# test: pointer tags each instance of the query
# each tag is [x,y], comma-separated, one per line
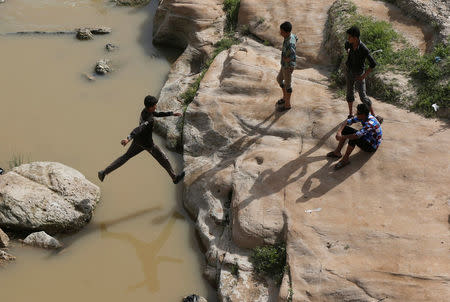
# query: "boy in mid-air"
[142,140]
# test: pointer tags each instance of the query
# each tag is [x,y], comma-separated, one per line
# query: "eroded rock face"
[43,240]
[46,196]
[263,19]
[194,26]
[4,239]
[185,22]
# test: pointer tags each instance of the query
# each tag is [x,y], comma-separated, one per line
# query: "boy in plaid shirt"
[368,138]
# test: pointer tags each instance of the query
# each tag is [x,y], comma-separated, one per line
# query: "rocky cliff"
[379,229]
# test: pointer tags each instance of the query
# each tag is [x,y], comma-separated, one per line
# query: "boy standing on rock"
[142,140]
[356,73]
[288,62]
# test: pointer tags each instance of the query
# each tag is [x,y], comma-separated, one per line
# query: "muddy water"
[139,246]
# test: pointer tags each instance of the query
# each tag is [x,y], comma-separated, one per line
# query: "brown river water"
[140,245]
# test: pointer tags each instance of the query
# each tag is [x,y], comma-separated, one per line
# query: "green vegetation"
[231,8]
[432,79]
[235,269]
[270,260]
[429,77]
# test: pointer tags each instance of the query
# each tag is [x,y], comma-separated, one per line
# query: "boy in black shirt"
[356,73]
[142,140]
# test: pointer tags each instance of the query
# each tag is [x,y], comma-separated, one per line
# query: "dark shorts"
[360,142]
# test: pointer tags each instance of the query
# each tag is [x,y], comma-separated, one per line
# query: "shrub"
[231,8]
[270,260]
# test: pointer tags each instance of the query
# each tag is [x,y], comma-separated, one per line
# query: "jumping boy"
[288,62]
[142,140]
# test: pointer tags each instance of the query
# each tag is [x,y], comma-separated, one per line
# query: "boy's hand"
[177,114]
[124,142]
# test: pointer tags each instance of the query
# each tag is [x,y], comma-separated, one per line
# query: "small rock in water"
[84,34]
[5,256]
[4,239]
[111,47]
[194,298]
[103,67]
[132,2]
[42,239]
[100,30]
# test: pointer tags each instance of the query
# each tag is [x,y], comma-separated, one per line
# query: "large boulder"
[46,196]
[180,23]
[254,174]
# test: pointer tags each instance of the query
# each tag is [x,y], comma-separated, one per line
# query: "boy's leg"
[288,85]
[361,87]
[350,96]
[132,151]
[346,131]
[280,80]
[162,159]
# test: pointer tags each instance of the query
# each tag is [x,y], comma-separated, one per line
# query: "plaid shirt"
[288,51]
[371,130]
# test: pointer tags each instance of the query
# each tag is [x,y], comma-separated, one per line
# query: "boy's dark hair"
[150,101]
[354,31]
[286,26]
[362,109]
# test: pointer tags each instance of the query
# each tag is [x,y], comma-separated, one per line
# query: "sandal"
[282,109]
[332,155]
[280,102]
[380,119]
[341,165]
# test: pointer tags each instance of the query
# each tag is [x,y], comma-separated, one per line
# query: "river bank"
[52,112]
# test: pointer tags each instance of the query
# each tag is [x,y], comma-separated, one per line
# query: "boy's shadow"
[270,182]
[147,252]
[330,178]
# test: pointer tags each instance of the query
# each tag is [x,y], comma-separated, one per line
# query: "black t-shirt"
[143,133]
[357,57]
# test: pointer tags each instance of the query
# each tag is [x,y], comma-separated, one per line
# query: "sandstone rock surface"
[43,240]
[263,19]
[46,196]
[253,173]
[275,167]
[4,239]
[194,26]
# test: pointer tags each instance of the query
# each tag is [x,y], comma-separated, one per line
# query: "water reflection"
[147,252]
